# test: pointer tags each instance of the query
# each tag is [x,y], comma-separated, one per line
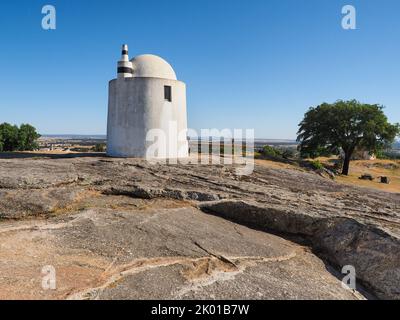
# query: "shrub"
[317,165]
[272,152]
[99,147]
[288,153]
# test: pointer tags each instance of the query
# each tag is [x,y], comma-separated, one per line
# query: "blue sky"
[247,64]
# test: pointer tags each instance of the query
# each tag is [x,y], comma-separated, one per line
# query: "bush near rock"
[367,177]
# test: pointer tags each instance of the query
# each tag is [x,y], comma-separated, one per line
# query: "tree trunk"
[346,164]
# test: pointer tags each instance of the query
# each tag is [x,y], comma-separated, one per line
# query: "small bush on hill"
[317,165]
[272,152]
[99,147]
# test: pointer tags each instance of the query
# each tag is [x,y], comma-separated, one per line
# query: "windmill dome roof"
[152,66]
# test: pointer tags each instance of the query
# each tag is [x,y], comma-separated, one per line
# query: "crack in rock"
[199,272]
[137,191]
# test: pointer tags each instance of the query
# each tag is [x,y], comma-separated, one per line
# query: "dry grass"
[376,168]
[276,164]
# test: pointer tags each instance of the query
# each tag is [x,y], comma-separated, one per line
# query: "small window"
[167,93]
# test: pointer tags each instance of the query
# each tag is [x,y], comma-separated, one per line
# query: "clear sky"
[247,64]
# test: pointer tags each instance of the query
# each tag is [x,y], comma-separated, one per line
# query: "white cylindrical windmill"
[146,95]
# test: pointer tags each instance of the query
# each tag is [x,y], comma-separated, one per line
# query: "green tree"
[13,138]
[9,136]
[27,138]
[345,126]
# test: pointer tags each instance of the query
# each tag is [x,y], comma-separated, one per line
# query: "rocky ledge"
[125,228]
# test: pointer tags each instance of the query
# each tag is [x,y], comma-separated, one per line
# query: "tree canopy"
[14,138]
[345,126]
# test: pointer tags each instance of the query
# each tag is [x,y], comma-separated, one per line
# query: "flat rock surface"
[128,229]
[163,251]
